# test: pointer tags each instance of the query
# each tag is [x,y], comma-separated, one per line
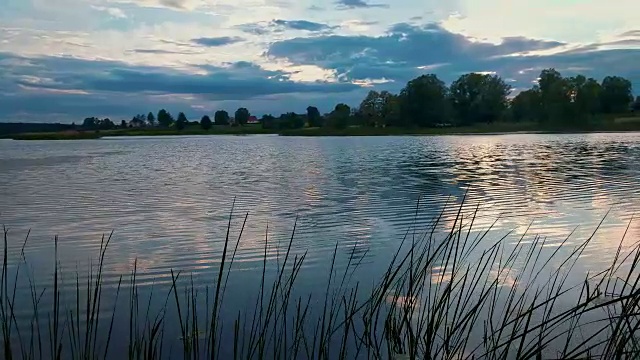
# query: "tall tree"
[616,95]
[221,117]
[242,116]
[268,121]
[291,120]
[339,117]
[151,119]
[555,96]
[479,98]
[182,121]
[391,111]
[205,122]
[371,108]
[378,108]
[139,120]
[585,95]
[90,123]
[424,101]
[527,105]
[314,117]
[164,118]
[123,124]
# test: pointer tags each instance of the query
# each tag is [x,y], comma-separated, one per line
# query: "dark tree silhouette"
[205,122]
[616,95]
[164,118]
[221,117]
[314,117]
[479,98]
[424,101]
[268,121]
[182,121]
[242,116]
[339,117]
[151,119]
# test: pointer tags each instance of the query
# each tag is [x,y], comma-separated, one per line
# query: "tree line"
[427,101]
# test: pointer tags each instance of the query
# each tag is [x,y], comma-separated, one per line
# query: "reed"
[453,295]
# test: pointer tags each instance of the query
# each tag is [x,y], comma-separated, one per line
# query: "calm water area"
[168,201]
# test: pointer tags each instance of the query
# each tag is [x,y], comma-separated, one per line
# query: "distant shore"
[617,125]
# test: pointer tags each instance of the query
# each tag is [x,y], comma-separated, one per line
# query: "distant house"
[253,120]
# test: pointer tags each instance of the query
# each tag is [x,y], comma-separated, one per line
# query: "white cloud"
[114,12]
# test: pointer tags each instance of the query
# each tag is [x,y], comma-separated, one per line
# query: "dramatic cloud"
[67,59]
[217,41]
[407,51]
[241,80]
[75,80]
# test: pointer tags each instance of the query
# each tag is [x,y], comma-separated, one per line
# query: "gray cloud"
[350,4]
[160,51]
[279,25]
[241,80]
[54,86]
[631,33]
[302,25]
[172,4]
[407,51]
[256,28]
[217,41]
[68,89]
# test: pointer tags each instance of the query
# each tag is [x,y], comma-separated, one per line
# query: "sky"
[64,60]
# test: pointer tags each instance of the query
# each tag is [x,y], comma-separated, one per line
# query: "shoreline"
[484,129]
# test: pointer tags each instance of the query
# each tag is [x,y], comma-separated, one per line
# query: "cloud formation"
[76,80]
[350,4]
[301,25]
[407,51]
[217,41]
[280,26]
[64,58]
[114,12]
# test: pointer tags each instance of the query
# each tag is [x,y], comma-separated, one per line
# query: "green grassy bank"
[611,125]
[604,125]
[79,135]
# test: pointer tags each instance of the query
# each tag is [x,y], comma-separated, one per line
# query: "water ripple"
[168,200]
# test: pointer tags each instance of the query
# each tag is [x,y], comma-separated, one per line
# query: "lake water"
[167,200]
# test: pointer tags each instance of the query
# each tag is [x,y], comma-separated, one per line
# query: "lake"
[168,201]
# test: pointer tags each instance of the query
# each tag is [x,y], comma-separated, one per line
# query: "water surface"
[167,200]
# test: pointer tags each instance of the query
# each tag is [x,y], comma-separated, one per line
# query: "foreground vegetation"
[453,296]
